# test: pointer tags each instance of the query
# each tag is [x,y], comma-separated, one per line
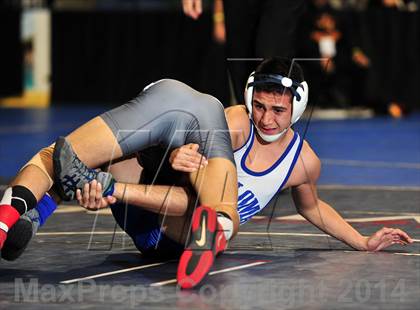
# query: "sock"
[45,207]
[16,201]
[20,198]
[227,225]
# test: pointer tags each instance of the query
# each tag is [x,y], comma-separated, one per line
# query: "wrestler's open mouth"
[268,131]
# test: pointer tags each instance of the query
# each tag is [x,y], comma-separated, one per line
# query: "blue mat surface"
[377,151]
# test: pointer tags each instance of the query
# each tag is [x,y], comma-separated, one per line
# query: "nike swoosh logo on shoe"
[202,240]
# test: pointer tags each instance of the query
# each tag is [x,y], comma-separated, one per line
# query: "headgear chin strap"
[269,138]
[300,93]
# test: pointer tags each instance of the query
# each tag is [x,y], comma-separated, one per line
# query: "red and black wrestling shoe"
[8,217]
[206,241]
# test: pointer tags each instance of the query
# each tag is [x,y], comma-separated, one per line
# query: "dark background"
[107,56]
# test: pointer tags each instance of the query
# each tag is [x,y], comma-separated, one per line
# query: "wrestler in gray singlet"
[171,114]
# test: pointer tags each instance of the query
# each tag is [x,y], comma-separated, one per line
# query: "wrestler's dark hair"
[281,66]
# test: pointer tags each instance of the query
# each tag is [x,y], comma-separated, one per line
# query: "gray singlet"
[170,114]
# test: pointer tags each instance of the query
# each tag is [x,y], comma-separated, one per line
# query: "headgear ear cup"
[249,93]
[299,106]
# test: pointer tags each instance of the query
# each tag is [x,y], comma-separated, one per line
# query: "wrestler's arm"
[173,200]
[323,216]
[162,199]
[170,200]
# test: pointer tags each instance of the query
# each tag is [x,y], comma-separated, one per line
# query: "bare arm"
[170,200]
[315,210]
[325,217]
[162,199]
[328,220]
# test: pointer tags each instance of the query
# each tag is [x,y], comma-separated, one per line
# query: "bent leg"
[127,170]
[217,187]
[96,144]
[93,142]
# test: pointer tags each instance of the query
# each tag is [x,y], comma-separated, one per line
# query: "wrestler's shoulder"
[237,116]
[238,123]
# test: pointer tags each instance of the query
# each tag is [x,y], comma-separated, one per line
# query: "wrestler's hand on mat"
[91,197]
[192,8]
[386,237]
[187,158]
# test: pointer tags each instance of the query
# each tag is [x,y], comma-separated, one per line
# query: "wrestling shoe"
[70,173]
[20,234]
[206,241]
[26,227]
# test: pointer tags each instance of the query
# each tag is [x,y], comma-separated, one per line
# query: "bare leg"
[217,187]
[94,143]
[35,179]
[126,171]
[177,228]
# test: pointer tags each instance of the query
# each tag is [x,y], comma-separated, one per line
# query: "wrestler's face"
[272,112]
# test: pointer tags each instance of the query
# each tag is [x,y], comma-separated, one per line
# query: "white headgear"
[300,93]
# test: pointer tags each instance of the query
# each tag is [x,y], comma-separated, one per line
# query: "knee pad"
[43,160]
